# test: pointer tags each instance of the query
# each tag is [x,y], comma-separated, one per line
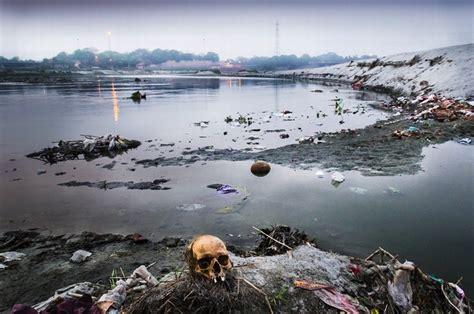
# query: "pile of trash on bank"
[443,109]
[435,107]
[299,279]
[90,148]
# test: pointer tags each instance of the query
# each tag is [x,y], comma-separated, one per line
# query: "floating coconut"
[260,168]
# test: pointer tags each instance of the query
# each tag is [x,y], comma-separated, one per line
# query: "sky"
[37,29]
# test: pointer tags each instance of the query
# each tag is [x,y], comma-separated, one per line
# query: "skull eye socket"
[223,260]
[204,262]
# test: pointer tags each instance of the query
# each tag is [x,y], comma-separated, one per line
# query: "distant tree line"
[289,62]
[90,58]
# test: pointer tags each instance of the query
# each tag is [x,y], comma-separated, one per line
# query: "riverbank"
[282,279]
[445,71]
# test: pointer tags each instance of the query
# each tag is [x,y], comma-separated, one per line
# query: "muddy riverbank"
[258,283]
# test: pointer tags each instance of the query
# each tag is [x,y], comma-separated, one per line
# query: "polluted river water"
[425,217]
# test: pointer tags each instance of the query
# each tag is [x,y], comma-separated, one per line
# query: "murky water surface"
[427,217]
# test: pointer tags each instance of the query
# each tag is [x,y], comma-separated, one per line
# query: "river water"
[426,217]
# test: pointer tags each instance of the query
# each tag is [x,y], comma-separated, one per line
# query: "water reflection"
[276,96]
[99,89]
[115,103]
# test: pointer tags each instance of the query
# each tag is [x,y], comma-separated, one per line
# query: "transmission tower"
[277,39]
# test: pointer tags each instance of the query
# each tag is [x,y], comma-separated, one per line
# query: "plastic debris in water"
[465,141]
[393,190]
[320,174]
[338,177]
[190,207]
[227,189]
[360,191]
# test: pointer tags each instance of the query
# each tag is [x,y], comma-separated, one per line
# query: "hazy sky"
[41,28]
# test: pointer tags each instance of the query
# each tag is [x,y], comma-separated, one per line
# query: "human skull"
[207,256]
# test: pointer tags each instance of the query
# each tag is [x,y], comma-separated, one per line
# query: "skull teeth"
[215,280]
[222,278]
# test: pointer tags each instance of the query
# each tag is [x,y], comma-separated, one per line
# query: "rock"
[40,172]
[137,238]
[171,242]
[283,136]
[80,256]
[320,174]
[260,168]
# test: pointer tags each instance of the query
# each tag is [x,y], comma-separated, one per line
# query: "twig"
[192,291]
[387,253]
[272,238]
[261,292]
[372,254]
[446,296]
[241,265]
[151,265]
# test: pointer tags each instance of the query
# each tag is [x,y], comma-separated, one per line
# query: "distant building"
[140,65]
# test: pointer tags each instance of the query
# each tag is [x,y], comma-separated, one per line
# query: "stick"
[373,254]
[260,291]
[387,253]
[272,238]
[444,293]
[192,291]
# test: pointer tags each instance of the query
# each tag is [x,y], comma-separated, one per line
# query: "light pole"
[109,35]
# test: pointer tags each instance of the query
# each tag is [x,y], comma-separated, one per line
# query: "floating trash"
[360,191]
[190,207]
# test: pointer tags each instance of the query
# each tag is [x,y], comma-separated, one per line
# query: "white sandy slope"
[453,76]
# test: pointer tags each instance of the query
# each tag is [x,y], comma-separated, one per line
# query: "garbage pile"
[79,298]
[90,148]
[408,132]
[442,109]
[387,285]
[296,277]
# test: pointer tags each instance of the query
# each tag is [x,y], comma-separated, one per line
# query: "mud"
[47,268]
[372,150]
[104,185]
